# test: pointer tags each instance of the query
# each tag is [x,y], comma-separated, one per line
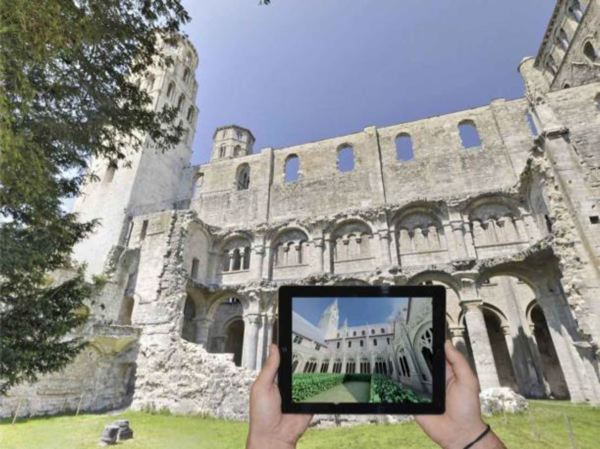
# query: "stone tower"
[152,181]
[330,320]
[231,141]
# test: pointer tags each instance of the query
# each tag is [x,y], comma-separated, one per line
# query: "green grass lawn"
[544,427]
[346,392]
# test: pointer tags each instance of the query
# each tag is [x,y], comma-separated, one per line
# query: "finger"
[459,364]
[269,370]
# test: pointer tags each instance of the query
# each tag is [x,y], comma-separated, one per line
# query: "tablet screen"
[370,350]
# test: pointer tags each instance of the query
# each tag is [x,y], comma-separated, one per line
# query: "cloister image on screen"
[362,350]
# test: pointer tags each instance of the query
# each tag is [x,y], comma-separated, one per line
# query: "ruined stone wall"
[378,177]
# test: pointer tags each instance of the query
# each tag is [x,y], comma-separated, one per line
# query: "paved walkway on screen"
[346,392]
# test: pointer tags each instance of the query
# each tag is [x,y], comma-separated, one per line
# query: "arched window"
[469,134]
[566,86]
[531,123]
[243,177]
[186,75]
[190,114]
[291,168]
[222,151]
[180,102]
[246,258]
[150,82]
[562,39]
[575,10]
[237,260]
[195,267]
[237,150]
[294,365]
[197,187]
[345,158]
[170,89]
[590,52]
[404,148]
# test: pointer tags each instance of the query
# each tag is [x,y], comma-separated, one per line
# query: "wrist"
[464,436]
[267,443]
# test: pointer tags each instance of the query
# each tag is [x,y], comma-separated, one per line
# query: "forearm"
[490,441]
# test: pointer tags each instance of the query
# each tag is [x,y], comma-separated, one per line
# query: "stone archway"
[228,310]
[550,364]
[234,340]
[188,331]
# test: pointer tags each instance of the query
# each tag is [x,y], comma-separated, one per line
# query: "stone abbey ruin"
[500,204]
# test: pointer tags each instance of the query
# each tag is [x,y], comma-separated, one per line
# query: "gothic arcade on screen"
[386,361]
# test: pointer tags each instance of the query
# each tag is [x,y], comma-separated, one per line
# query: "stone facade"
[500,204]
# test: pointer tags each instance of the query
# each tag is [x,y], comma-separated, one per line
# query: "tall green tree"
[67,94]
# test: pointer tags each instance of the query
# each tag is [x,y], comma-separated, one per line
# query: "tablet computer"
[362,349]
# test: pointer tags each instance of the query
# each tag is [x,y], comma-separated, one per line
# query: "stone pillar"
[251,324]
[319,253]
[480,345]
[258,252]
[267,272]
[537,359]
[570,362]
[522,230]
[270,322]
[202,326]
[328,256]
[458,236]
[261,345]
[384,244]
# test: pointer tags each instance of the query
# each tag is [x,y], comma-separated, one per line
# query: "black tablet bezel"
[436,406]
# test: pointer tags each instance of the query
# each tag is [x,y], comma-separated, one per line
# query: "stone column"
[258,252]
[327,256]
[319,253]
[251,324]
[537,359]
[202,326]
[458,236]
[384,244]
[570,362]
[270,322]
[480,345]
[261,345]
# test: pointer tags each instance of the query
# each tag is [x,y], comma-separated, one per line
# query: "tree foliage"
[68,92]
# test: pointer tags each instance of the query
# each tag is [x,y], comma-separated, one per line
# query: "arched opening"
[351,241]
[575,10]
[222,151]
[186,75]
[190,114]
[345,158]
[291,168]
[469,135]
[428,357]
[233,340]
[295,365]
[188,331]
[562,39]
[550,363]
[404,147]
[237,150]
[502,358]
[226,333]
[590,52]
[289,248]
[180,102]
[236,255]
[195,268]
[197,187]
[243,177]
[171,90]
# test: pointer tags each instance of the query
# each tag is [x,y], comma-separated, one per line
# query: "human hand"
[269,428]
[461,423]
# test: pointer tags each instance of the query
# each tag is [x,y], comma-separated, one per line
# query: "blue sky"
[298,71]
[358,311]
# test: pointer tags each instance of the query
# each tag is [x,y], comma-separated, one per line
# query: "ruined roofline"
[349,134]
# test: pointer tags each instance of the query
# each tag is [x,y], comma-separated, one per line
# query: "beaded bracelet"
[484,433]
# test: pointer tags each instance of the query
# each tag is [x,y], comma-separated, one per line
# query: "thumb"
[269,369]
